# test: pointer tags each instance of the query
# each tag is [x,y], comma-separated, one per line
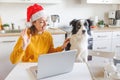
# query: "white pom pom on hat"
[34,12]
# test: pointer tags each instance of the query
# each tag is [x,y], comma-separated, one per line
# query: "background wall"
[68,10]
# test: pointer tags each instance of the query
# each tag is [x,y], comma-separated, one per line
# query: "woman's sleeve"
[17,52]
[52,49]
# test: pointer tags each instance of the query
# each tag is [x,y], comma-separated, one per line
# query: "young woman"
[35,40]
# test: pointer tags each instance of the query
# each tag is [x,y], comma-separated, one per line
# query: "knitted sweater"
[39,44]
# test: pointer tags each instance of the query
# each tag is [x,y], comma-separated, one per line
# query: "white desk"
[21,72]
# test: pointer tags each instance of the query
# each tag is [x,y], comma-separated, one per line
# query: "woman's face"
[40,24]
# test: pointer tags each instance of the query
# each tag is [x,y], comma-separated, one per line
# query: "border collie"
[79,38]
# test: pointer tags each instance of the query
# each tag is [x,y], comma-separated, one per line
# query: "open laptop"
[54,64]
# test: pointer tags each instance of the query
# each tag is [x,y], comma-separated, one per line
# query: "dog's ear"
[73,22]
[89,22]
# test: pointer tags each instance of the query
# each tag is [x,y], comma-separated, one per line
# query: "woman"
[34,41]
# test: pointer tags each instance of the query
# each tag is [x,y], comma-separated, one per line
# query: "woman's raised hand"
[26,38]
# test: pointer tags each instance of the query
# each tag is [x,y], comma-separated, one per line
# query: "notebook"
[54,64]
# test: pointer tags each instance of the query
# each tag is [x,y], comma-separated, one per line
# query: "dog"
[79,38]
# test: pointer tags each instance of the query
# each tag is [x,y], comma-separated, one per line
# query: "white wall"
[68,10]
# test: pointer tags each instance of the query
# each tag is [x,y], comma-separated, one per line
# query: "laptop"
[54,64]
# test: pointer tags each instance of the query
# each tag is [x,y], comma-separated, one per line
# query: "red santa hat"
[34,12]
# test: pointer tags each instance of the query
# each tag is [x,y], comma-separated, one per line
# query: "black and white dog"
[79,38]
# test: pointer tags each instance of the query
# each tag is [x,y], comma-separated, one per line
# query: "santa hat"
[34,12]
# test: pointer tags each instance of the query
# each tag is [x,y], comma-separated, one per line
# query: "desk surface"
[21,72]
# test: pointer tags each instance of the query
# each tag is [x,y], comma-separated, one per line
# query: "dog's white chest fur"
[79,38]
[79,41]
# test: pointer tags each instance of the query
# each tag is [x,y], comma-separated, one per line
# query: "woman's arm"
[20,47]
[17,52]
[59,48]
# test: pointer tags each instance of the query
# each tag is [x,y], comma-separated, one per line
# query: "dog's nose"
[83,31]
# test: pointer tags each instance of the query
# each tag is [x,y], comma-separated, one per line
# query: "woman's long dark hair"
[33,30]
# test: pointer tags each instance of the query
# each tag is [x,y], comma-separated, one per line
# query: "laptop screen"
[55,63]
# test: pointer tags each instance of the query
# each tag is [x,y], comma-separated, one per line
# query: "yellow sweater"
[39,44]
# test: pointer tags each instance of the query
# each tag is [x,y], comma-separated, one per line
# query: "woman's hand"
[26,38]
[65,43]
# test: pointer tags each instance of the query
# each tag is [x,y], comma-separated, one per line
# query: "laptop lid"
[55,63]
